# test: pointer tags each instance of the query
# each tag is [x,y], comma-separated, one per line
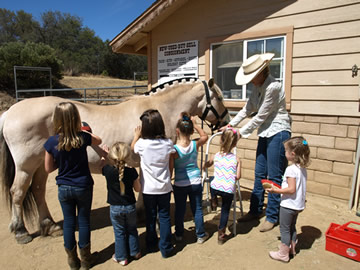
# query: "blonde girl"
[226,171]
[66,151]
[121,180]
[293,193]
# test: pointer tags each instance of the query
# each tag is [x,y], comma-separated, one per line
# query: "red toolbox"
[344,240]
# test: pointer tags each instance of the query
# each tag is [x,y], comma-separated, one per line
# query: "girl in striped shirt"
[226,171]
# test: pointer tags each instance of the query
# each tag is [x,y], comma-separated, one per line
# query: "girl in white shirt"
[154,148]
[293,191]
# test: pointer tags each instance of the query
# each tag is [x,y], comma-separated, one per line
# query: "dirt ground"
[247,250]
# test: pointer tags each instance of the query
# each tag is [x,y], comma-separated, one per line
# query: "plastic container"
[344,240]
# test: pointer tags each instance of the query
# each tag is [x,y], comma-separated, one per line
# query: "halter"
[210,107]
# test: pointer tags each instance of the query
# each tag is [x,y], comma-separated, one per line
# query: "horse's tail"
[7,176]
[7,165]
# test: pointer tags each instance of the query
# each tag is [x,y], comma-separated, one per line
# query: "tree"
[123,65]
[79,49]
[18,26]
[28,54]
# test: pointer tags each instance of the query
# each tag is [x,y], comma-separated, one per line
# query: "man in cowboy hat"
[267,100]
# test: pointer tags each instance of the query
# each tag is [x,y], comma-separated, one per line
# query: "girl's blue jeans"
[270,164]
[195,196]
[154,204]
[226,201]
[74,199]
[123,219]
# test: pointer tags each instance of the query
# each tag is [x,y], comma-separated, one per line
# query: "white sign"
[177,60]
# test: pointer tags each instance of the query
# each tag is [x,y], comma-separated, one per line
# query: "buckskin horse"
[25,127]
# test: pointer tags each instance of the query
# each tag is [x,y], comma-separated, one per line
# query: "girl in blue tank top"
[188,177]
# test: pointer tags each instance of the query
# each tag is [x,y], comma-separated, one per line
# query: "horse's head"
[212,107]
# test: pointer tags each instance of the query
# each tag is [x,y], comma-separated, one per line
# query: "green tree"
[18,26]
[123,65]
[79,49]
[28,54]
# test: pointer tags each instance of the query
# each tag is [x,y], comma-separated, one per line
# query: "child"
[226,171]
[120,183]
[66,150]
[154,149]
[188,177]
[293,189]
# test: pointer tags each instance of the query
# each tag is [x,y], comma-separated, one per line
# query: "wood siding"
[323,44]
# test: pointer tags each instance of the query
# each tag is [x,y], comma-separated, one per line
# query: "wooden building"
[316,44]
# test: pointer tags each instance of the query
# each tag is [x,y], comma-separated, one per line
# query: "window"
[227,57]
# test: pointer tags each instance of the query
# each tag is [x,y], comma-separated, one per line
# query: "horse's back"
[29,115]
[27,125]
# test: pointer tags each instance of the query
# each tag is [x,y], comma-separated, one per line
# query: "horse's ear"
[211,82]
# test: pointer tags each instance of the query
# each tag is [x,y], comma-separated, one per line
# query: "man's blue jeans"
[74,199]
[123,219]
[155,204]
[270,164]
[195,196]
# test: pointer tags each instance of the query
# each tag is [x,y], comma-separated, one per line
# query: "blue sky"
[106,17]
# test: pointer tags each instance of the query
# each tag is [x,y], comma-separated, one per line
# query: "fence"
[92,94]
[86,95]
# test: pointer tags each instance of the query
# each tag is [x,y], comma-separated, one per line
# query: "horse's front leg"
[18,192]
[38,188]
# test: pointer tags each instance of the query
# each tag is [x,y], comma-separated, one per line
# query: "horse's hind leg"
[18,192]
[38,188]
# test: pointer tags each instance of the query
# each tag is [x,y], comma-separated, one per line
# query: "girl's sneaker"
[201,240]
[123,262]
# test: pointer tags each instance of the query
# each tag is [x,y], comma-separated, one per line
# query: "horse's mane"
[171,83]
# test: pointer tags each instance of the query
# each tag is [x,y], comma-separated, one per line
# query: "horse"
[26,125]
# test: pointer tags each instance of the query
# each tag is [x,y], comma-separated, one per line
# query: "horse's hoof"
[23,238]
[49,227]
[55,231]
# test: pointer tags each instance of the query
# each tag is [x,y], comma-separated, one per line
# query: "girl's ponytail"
[118,154]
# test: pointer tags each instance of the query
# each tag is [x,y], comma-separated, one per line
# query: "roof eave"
[133,39]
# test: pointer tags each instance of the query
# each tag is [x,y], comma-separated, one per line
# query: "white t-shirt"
[154,165]
[294,201]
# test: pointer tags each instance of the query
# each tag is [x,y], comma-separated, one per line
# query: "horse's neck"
[185,96]
[172,102]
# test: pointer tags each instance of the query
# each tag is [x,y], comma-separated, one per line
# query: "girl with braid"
[121,180]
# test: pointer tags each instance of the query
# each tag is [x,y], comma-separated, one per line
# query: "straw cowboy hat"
[252,67]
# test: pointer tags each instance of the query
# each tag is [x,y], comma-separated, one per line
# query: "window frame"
[287,32]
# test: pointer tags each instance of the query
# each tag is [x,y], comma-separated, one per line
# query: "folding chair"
[206,180]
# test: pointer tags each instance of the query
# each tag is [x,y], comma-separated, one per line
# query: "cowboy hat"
[252,67]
